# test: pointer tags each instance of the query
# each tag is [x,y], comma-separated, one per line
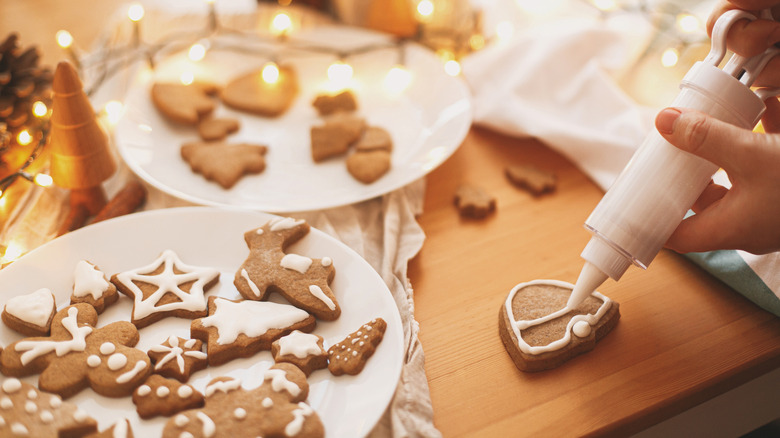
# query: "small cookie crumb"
[531,179]
[474,202]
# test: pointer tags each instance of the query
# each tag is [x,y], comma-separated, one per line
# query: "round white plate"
[349,406]
[427,121]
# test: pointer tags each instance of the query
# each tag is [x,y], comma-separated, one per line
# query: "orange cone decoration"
[395,17]
[80,157]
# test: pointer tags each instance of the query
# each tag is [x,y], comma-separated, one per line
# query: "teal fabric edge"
[730,268]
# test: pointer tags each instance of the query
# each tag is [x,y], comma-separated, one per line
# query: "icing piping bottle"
[660,183]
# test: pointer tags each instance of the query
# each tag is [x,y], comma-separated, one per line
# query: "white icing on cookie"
[184,391]
[80,416]
[47,417]
[189,343]
[285,223]
[19,429]
[55,402]
[11,385]
[128,376]
[6,403]
[267,402]
[168,282]
[317,292]
[581,329]
[299,344]
[32,394]
[181,420]
[144,390]
[239,413]
[517,326]
[36,348]
[280,383]
[222,386]
[88,280]
[120,429]
[251,318]
[296,262]
[30,407]
[209,428]
[107,348]
[162,391]
[326,261]
[252,285]
[34,308]
[299,415]
[116,361]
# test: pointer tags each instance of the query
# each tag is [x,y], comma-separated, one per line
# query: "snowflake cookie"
[178,358]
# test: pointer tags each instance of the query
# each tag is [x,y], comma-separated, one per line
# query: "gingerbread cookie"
[535,181]
[185,104]
[330,141]
[161,396]
[474,202]
[25,411]
[217,129]
[236,329]
[166,287]
[369,166]
[178,358]
[77,355]
[301,280]
[303,350]
[120,429]
[276,408]
[350,355]
[91,286]
[348,122]
[251,93]
[539,332]
[375,138]
[224,163]
[326,104]
[30,314]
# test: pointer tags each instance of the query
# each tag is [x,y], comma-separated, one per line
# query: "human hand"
[746,216]
[751,38]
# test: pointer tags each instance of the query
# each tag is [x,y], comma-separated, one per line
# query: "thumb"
[721,143]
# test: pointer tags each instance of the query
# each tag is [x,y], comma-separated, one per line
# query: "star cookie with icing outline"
[166,287]
[276,408]
[301,280]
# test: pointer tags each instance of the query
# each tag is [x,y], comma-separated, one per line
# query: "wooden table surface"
[683,337]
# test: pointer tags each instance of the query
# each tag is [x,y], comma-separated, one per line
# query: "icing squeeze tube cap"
[590,278]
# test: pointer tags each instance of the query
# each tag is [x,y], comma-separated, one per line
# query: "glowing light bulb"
[135,12]
[43,180]
[425,8]
[477,41]
[114,111]
[39,109]
[281,24]
[187,77]
[605,5]
[670,57]
[452,67]
[688,23]
[12,252]
[197,52]
[24,138]
[504,30]
[64,39]
[270,73]
[397,79]
[340,73]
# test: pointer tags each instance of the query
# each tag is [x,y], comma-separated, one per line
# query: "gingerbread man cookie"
[77,355]
[303,350]
[350,355]
[301,280]
[30,314]
[276,408]
[25,411]
[161,396]
[178,358]
[166,287]
[224,163]
[236,329]
[91,286]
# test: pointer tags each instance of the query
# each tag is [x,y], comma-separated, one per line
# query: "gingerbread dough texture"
[251,93]
[224,163]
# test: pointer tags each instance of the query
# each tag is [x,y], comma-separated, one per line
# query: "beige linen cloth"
[382,230]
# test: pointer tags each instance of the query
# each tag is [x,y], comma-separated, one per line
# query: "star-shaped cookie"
[166,287]
[178,358]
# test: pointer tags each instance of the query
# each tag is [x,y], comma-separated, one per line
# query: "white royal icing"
[163,391]
[107,348]
[285,223]
[11,385]
[222,386]
[168,282]
[88,280]
[326,261]
[19,429]
[317,292]
[239,413]
[120,429]
[299,344]
[267,402]
[209,428]
[128,376]
[36,348]
[581,329]
[296,262]
[252,285]
[251,318]
[517,326]
[6,403]
[144,390]
[279,382]
[32,395]
[55,402]
[175,352]
[30,407]
[35,308]
[181,420]
[299,416]
[184,391]
[116,361]
[47,417]
[80,415]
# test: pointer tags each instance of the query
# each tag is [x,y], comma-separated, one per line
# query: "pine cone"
[22,83]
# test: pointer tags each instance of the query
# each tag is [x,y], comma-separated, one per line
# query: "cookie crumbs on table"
[532,179]
[30,314]
[473,201]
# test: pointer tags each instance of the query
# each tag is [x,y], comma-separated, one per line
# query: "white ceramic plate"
[428,122]
[349,406]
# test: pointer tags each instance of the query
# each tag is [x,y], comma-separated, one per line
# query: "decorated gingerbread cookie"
[253,94]
[166,287]
[185,104]
[161,396]
[539,332]
[350,355]
[30,314]
[236,329]
[78,355]
[120,429]
[276,408]
[303,350]
[91,286]
[302,280]
[224,163]
[178,358]
[25,411]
